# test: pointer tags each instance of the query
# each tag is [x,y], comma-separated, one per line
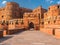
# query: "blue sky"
[31,3]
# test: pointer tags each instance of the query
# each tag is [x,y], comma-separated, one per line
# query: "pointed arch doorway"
[31,25]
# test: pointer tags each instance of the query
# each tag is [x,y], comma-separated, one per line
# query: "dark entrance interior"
[53,31]
[31,25]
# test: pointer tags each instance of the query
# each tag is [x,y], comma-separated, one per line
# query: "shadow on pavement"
[5,38]
[11,35]
[20,31]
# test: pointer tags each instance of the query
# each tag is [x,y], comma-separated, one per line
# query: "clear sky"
[31,3]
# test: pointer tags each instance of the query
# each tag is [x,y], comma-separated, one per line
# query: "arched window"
[3,22]
[6,22]
[34,15]
[12,23]
[48,22]
[39,16]
[49,8]
[53,31]
[58,6]
[42,22]
[2,16]
[54,21]
[22,22]
[16,22]
[28,15]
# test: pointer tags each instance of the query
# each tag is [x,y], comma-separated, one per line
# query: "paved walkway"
[29,38]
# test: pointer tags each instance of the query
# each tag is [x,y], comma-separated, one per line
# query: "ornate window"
[3,22]
[6,22]
[16,22]
[11,22]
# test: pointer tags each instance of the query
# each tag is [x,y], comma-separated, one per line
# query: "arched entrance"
[31,25]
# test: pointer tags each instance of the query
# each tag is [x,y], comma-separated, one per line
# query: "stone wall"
[36,17]
[52,20]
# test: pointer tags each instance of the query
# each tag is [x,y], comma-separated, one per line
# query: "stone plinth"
[57,33]
[47,30]
[1,33]
[13,31]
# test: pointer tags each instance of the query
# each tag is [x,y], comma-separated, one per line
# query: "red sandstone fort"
[13,17]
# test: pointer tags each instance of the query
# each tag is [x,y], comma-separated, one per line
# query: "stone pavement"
[29,38]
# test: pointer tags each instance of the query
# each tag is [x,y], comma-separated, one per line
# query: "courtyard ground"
[29,38]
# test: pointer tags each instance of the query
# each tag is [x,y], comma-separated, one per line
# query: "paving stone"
[31,38]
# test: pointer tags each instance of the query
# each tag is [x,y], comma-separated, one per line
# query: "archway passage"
[31,25]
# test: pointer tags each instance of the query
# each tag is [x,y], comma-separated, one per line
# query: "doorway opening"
[31,25]
[53,31]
